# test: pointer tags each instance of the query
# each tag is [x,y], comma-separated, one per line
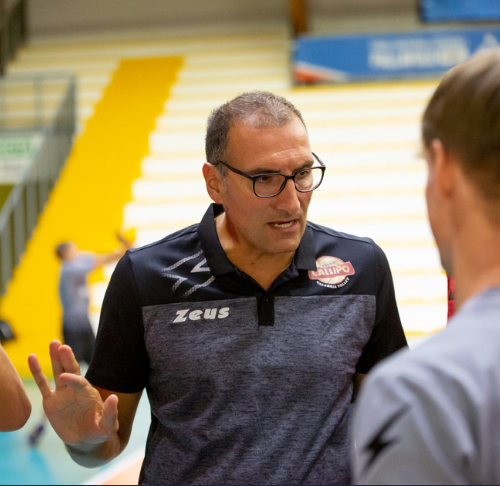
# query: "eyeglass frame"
[287,177]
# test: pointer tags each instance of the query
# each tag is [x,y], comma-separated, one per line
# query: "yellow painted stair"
[86,206]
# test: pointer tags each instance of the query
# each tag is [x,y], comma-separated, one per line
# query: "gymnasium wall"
[325,16]
[63,16]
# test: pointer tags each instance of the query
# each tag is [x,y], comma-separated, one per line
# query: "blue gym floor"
[48,462]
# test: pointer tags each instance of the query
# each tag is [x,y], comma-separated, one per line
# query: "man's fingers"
[110,415]
[56,362]
[40,378]
[76,382]
[124,241]
[68,361]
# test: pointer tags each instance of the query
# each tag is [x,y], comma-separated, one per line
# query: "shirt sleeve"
[408,431]
[120,361]
[80,267]
[388,335]
[87,262]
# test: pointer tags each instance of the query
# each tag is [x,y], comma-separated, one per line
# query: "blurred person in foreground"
[74,297]
[15,407]
[432,415]
[250,331]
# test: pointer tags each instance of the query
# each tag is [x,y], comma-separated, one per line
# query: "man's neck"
[476,260]
[264,268]
[469,282]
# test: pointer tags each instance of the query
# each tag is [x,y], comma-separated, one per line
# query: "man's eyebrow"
[262,170]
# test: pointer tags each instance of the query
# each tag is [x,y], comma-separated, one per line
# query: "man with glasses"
[250,331]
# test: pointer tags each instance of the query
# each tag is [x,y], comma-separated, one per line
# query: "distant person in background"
[74,297]
[74,294]
[432,415]
[15,407]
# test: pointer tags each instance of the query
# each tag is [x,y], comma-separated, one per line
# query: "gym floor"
[49,463]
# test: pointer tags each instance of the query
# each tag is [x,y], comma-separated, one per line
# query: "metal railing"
[13,31]
[20,212]
[29,102]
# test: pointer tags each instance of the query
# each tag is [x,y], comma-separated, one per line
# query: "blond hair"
[464,114]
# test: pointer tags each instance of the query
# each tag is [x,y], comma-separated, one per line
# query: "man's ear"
[214,182]
[445,167]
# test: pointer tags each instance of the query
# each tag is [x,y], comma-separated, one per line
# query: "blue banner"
[459,10]
[375,56]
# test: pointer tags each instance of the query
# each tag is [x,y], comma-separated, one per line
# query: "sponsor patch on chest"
[184,315]
[331,272]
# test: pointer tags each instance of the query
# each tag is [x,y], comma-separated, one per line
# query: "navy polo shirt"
[246,385]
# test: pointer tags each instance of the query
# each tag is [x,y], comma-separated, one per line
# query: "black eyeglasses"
[270,185]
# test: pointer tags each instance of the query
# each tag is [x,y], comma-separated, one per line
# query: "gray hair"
[258,108]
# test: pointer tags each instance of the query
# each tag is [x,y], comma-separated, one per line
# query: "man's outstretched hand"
[127,244]
[74,408]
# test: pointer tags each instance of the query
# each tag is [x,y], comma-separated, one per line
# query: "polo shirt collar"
[217,260]
[305,256]
[216,257]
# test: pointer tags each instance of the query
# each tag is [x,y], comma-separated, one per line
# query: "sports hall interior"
[144,75]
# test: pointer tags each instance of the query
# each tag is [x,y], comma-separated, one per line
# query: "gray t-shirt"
[73,289]
[432,415]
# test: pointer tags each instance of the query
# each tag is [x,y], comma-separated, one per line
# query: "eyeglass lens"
[271,184]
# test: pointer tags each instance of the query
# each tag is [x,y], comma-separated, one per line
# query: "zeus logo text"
[196,315]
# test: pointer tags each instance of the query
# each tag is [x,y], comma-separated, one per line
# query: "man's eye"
[264,179]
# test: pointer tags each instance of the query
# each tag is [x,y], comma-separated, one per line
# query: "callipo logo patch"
[331,272]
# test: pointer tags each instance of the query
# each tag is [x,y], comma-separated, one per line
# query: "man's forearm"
[16,408]
[95,455]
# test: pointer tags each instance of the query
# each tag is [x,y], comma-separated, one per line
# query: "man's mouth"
[284,224]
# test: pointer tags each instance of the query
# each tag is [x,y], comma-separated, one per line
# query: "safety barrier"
[52,143]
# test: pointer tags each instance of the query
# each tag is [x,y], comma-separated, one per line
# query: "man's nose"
[288,198]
